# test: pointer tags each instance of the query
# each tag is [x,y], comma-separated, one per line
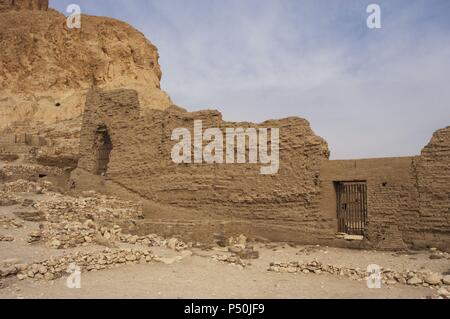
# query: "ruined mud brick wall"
[407,198]
[9,144]
[21,143]
[433,181]
[140,162]
[391,195]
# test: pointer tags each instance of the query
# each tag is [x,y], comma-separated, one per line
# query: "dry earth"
[199,276]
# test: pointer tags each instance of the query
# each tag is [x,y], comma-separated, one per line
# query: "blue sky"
[369,93]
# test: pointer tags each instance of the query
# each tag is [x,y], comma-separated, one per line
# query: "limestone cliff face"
[23,4]
[46,68]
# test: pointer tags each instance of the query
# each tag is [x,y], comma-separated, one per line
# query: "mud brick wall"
[140,162]
[391,195]
[433,179]
[407,198]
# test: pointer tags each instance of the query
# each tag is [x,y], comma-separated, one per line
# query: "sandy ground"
[200,276]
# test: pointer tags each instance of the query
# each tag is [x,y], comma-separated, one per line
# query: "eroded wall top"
[141,162]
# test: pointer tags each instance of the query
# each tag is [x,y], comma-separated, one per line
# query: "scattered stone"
[23,186]
[42,270]
[446,279]
[239,240]
[73,222]
[21,276]
[34,236]
[172,243]
[53,268]
[49,276]
[414,281]
[55,244]
[233,259]
[391,282]
[389,276]
[130,257]
[433,279]
[443,292]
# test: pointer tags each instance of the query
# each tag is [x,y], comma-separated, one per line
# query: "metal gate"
[352,207]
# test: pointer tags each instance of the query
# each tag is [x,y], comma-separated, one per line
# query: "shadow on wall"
[104,147]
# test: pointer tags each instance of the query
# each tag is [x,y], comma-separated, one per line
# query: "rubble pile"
[172,243]
[6,223]
[23,186]
[29,170]
[390,277]
[239,250]
[149,240]
[231,259]
[74,234]
[99,208]
[236,241]
[34,236]
[7,199]
[72,222]
[238,246]
[56,267]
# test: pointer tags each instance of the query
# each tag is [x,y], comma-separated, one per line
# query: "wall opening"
[352,207]
[103,149]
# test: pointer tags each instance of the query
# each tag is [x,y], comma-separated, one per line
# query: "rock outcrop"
[23,5]
[47,68]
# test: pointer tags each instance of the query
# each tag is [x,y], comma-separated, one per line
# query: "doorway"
[104,146]
[352,207]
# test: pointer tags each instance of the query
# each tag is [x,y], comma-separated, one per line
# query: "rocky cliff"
[46,68]
[6,5]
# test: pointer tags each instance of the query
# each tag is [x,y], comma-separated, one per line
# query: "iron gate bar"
[352,207]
